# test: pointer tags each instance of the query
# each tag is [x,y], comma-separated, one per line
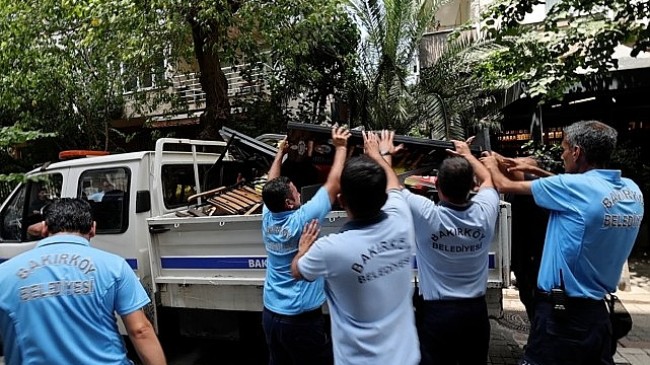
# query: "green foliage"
[12,169]
[465,101]
[628,158]
[16,178]
[311,47]
[66,64]
[548,156]
[381,92]
[447,101]
[11,136]
[576,39]
[261,116]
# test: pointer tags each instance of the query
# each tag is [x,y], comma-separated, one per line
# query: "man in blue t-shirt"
[368,265]
[453,240]
[595,216]
[292,318]
[59,300]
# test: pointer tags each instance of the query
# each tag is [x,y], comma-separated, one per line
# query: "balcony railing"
[190,91]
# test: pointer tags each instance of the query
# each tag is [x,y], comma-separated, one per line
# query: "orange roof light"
[71,154]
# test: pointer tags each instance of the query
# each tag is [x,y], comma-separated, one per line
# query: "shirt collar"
[453,206]
[613,175]
[64,238]
[280,215]
[360,223]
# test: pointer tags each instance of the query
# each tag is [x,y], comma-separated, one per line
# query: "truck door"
[23,208]
[107,190]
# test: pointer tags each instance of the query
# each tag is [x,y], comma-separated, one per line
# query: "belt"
[548,297]
[457,300]
[312,314]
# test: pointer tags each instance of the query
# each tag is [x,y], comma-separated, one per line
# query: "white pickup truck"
[204,273]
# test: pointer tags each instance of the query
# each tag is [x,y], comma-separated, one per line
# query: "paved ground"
[509,333]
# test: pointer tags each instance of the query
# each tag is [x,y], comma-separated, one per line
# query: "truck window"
[178,180]
[25,206]
[107,191]
[178,183]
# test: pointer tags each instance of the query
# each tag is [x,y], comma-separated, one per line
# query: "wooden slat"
[251,190]
[254,195]
[240,199]
[231,204]
[243,197]
[253,209]
[205,193]
[223,206]
[234,200]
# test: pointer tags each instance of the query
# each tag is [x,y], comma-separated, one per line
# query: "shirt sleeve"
[395,202]
[420,206]
[552,192]
[488,198]
[312,264]
[130,295]
[316,208]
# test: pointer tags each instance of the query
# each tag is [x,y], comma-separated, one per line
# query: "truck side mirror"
[142,201]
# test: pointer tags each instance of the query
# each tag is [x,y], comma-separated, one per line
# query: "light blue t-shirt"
[281,233]
[594,220]
[368,272]
[453,244]
[96,196]
[58,303]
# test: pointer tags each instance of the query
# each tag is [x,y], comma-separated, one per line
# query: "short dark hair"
[597,140]
[68,215]
[275,193]
[363,186]
[455,178]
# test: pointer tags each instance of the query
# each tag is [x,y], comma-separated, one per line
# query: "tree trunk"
[213,82]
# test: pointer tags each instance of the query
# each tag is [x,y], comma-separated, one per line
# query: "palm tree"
[447,100]
[382,93]
[461,100]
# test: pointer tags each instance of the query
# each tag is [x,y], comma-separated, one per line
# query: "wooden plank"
[254,208]
[254,195]
[223,206]
[229,200]
[235,199]
[243,198]
[251,190]
[205,193]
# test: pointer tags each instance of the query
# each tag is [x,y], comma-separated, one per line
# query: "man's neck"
[66,233]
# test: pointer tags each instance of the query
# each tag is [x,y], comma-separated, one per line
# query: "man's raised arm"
[381,150]
[480,170]
[340,137]
[274,171]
